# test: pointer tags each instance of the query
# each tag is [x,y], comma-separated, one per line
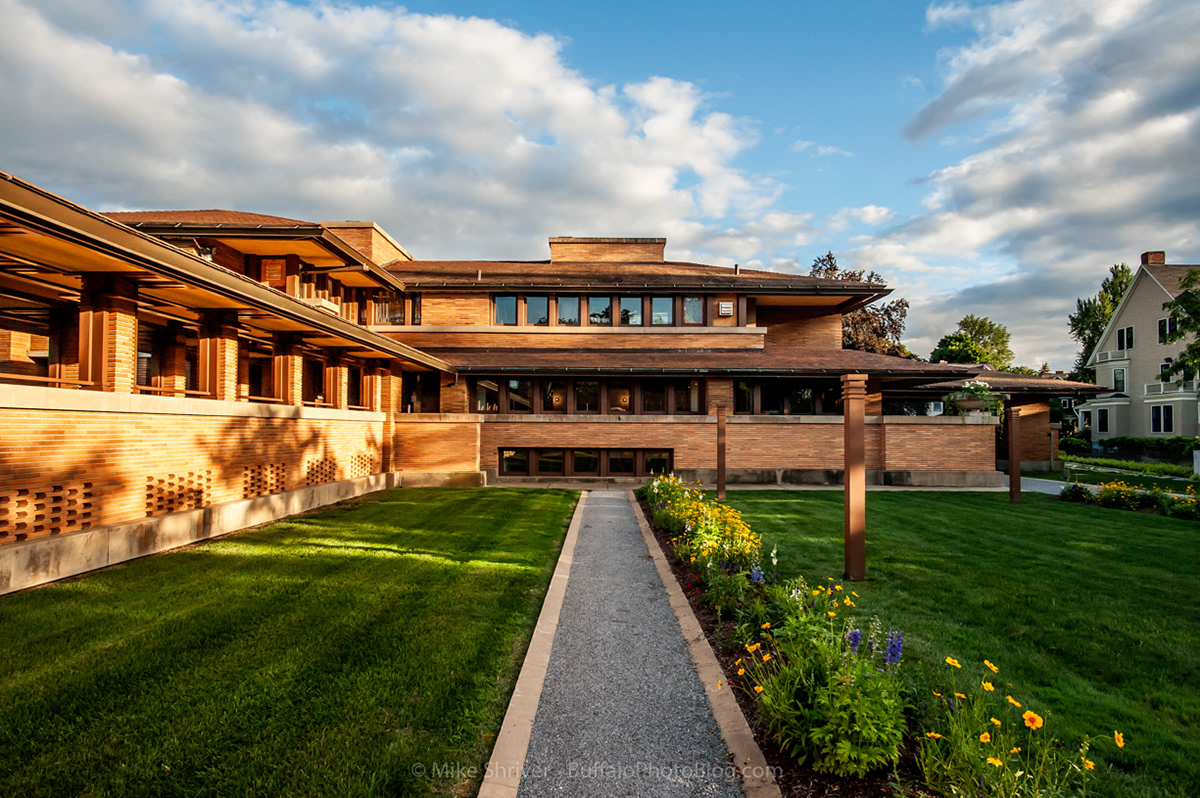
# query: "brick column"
[1013,420]
[338,378]
[718,392]
[391,402]
[454,398]
[721,452]
[219,355]
[289,373]
[854,394]
[14,354]
[108,333]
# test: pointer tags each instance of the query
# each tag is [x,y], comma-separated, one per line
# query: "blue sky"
[985,157]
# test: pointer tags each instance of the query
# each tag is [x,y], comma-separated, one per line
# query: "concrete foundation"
[444,479]
[31,563]
[816,476]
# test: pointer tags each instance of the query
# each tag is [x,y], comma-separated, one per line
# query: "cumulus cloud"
[1087,117]
[462,136]
[871,215]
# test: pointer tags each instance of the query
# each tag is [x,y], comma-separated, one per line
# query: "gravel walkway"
[622,711]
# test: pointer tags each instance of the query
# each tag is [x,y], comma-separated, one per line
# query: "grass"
[1150,469]
[1092,615]
[330,654]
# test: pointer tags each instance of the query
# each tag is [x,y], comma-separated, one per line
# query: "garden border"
[758,778]
[502,776]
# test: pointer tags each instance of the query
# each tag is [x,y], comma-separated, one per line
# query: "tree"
[875,329]
[957,347]
[1185,312]
[1091,316]
[978,339]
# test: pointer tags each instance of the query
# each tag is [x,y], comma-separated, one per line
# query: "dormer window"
[1125,338]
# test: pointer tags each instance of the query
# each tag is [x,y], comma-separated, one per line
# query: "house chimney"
[737,268]
[1151,258]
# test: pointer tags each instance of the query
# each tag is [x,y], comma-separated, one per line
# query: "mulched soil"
[793,779]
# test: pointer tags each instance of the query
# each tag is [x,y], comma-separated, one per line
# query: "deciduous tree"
[877,328]
[1091,316]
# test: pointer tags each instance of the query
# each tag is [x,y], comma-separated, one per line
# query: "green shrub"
[827,695]
[1178,449]
[1154,469]
[1074,445]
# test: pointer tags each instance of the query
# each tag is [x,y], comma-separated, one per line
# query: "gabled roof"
[1166,277]
[204,218]
[1169,277]
[1007,382]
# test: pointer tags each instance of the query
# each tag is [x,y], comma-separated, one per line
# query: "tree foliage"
[978,339]
[1092,315]
[878,328]
[1185,311]
[957,347]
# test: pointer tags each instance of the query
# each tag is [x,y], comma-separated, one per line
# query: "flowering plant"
[976,388]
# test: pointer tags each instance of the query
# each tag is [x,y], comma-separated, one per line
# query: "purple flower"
[854,638]
[895,647]
[756,575]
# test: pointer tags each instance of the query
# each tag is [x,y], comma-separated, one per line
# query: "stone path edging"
[758,779]
[502,777]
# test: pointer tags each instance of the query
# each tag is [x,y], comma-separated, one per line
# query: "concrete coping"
[562,418]
[487,329]
[24,397]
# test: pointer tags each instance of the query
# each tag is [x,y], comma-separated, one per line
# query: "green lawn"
[1093,615]
[325,655]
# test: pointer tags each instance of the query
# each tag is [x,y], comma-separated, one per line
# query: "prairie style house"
[169,376]
[1131,357]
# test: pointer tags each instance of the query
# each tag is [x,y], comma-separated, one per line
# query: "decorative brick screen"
[35,512]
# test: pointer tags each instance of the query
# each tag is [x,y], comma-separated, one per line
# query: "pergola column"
[1013,421]
[289,373]
[854,394]
[339,383]
[108,333]
[391,401]
[219,356]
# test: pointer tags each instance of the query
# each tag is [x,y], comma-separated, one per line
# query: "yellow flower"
[933,735]
[817,592]
[1120,738]
[1089,764]
[853,594]
[766,625]
[991,688]
[994,761]
[741,671]
[1033,720]
[997,723]
[718,684]
[1016,750]
[752,648]
[758,688]
[831,613]
[991,667]
[849,603]
[960,695]
[986,737]
[1013,701]
[738,661]
[837,587]
[766,657]
[952,662]
[936,693]
[835,603]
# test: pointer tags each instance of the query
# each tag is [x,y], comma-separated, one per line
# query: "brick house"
[1132,354]
[170,376]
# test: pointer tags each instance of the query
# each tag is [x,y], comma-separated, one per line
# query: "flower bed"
[1118,495]
[830,695]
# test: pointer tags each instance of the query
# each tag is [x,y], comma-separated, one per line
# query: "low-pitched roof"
[616,275]
[204,218]
[1007,382]
[779,361]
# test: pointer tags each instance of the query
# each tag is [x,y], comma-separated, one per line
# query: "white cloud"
[1089,114]
[817,149]
[872,215]
[462,136]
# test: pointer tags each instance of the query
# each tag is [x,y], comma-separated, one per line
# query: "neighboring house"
[1132,354]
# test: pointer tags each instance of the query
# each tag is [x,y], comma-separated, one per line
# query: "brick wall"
[1034,433]
[719,391]
[802,328]
[608,251]
[940,447]
[14,353]
[454,309]
[136,464]
[433,445]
